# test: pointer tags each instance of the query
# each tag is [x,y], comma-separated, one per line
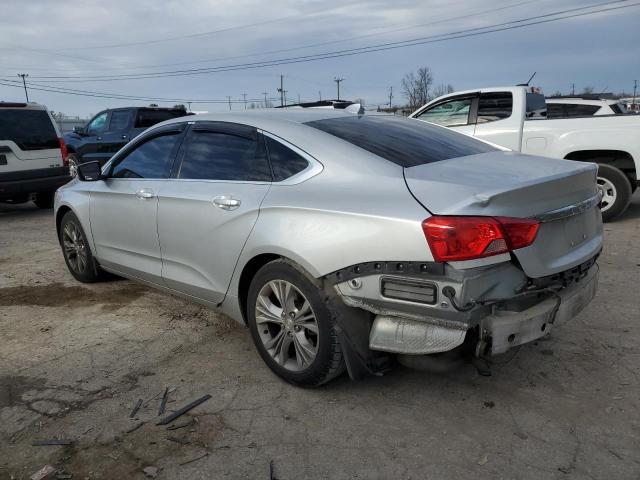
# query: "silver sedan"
[342,240]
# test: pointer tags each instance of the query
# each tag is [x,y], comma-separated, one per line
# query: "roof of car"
[27,106]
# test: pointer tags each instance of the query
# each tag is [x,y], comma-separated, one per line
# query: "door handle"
[124,137]
[226,202]
[145,193]
[98,138]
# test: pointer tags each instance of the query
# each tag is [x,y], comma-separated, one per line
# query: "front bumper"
[435,328]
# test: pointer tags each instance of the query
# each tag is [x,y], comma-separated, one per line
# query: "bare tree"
[587,90]
[417,87]
[442,89]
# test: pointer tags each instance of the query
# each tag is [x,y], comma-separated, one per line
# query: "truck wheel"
[615,189]
[43,199]
[76,251]
[292,326]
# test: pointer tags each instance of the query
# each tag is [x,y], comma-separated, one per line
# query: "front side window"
[151,159]
[284,161]
[453,113]
[402,141]
[494,106]
[98,124]
[210,155]
[119,120]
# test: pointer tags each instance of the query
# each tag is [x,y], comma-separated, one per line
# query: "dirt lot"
[74,360]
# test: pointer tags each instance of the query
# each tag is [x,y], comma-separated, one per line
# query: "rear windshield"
[402,141]
[29,129]
[148,118]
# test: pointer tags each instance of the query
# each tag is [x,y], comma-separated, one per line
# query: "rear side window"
[152,159]
[402,141]
[222,156]
[618,108]
[494,106]
[536,106]
[578,110]
[284,161]
[147,118]
[28,129]
[119,120]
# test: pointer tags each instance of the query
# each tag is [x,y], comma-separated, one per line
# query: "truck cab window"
[98,124]
[494,106]
[449,114]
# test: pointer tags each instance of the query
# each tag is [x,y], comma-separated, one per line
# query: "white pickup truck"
[515,118]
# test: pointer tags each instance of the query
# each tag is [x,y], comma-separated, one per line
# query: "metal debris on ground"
[44,473]
[194,459]
[151,472]
[272,474]
[163,402]
[53,441]
[183,410]
[136,408]
[135,427]
[181,441]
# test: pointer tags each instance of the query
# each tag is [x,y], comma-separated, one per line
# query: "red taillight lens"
[466,238]
[63,152]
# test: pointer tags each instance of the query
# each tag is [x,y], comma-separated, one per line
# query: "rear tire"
[297,338]
[76,251]
[616,191]
[43,200]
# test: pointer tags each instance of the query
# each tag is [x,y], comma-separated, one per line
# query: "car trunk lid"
[563,194]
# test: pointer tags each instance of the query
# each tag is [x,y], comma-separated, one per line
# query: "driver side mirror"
[90,171]
[80,130]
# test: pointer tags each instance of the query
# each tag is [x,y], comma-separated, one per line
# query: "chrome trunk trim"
[569,210]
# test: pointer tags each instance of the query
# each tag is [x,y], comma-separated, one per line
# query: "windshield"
[402,141]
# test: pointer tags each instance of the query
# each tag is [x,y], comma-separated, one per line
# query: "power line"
[472,32]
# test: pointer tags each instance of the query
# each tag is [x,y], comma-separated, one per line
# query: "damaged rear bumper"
[404,327]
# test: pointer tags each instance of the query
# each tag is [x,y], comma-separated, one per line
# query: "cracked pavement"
[76,358]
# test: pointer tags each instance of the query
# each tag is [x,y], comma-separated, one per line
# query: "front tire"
[76,251]
[615,188]
[292,327]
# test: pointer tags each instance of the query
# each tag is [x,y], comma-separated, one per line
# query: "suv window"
[402,141]
[147,117]
[449,114]
[98,124]
[555,110]
[494,106]
[284,161]
[579,110]
[119,120]
[151,159]
[28,129]
[222,156]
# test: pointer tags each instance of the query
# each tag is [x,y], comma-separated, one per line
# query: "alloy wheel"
[75,249]
[608,192]
[287,325]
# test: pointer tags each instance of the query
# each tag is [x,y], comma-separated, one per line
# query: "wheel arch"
[619,159]
[59,214]
[248,272]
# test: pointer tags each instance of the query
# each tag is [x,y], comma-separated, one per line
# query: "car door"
[124,206]
[89,148]
[117,134]
[457,113]
[209,206]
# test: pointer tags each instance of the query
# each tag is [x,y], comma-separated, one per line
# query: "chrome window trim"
[313,169]
[569,210]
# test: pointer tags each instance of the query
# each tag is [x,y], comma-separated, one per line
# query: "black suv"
[111,129]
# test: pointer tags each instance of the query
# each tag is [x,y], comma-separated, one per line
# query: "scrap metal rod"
[183,410]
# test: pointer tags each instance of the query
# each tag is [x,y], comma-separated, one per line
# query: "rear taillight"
[465,238]
[63,152]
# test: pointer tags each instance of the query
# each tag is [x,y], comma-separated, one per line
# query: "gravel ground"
[76,358]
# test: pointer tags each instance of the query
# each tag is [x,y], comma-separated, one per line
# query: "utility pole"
[320,95]
[189,103]
[390,96]
[573,89]
[24,83]
[338,80]
[244,96]
[635,86]
[229,99]
[281,90]
[265,99]
[298,98]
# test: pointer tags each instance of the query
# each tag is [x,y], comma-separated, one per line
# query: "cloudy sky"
[101,45]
